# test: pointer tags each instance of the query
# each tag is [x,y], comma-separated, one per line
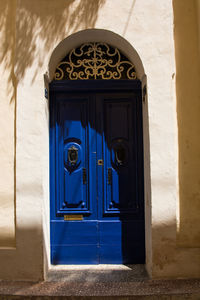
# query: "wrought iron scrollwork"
[95,61]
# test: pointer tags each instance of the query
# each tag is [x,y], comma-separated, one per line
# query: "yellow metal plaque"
[73,217]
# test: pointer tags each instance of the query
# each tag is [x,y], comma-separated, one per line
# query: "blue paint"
[90,122]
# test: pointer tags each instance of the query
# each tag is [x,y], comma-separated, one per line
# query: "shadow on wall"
[32,26]
[188,113]
[29,31]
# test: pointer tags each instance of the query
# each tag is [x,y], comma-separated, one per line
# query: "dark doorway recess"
[96,172]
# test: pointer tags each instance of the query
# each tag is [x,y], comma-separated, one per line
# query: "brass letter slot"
[73,217]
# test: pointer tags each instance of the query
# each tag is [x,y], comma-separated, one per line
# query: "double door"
[97,207]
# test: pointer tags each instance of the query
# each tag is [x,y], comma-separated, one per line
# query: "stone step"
[136,289]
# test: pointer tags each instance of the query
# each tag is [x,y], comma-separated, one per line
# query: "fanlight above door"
[95,61]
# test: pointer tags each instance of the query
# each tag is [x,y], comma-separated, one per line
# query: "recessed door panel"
[120,155]
[72,132]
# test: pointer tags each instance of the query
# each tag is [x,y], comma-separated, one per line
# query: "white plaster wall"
[148,27]
[7,130]
[7,107]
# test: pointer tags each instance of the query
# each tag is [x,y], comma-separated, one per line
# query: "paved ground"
[127,282]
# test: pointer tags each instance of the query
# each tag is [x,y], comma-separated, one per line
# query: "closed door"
[97,209]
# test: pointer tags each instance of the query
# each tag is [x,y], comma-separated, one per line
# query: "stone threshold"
[97,273]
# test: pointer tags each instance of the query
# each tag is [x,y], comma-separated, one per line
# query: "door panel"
[75,254]
[96,173]
[72,135]
[73,241]
[120,155]
[121,241]
[121,211]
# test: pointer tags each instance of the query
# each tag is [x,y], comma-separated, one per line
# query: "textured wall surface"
[7,123]
[187,40]
[38,27]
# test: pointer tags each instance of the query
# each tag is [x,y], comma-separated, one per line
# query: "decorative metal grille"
[95,61]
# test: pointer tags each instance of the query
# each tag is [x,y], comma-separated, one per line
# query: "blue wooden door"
[97,207]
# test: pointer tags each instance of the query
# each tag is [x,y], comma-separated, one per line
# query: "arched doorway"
[96,151]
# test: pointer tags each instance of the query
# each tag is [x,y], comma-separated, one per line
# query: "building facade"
[160,39]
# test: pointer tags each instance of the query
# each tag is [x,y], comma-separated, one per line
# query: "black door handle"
[84,176]
[109,176]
